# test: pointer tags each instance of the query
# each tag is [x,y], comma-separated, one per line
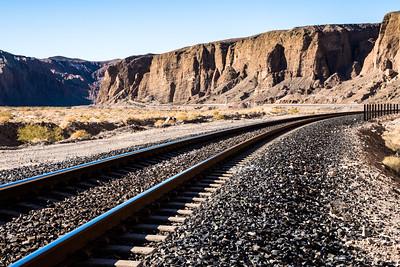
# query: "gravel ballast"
[307,200]
[37,228]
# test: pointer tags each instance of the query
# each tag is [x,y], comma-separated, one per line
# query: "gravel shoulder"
[308,200]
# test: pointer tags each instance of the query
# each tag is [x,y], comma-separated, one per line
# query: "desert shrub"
[392,139]
[278,110]
[5,116]
[80,134]
[187,116]
[36,133]
[135,121]
[182,116]
[293,111]
[159,123]
[218,116]
[193,116]
[392,162]
[67,120]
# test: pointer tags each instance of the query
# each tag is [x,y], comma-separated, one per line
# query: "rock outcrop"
[386,54]
[262,68]
[379,80]
[56,81]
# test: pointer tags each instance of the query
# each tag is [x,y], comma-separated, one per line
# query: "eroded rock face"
[386,54]
[257,67]
[57,81]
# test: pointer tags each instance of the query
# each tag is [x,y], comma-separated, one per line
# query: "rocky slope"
[262,68]
[56,81]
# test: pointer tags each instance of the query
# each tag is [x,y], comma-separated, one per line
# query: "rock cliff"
[386,54]
[57,81]
[379,79]
[262,68]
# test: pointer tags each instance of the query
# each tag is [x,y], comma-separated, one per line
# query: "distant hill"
[55,81]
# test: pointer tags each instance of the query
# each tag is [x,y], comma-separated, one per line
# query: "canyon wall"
[263,68]
[57,81]
[386,54]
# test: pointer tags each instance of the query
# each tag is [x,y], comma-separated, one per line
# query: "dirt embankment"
[380,143]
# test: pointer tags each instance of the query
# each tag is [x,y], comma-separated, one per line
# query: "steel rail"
[28,187]
[59,250]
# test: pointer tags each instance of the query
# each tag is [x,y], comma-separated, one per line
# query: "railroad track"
[129,230]
[20,197]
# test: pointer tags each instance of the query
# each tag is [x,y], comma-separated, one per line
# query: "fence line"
[372,111]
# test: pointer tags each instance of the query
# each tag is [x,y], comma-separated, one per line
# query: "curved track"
[154,211]
[20,197]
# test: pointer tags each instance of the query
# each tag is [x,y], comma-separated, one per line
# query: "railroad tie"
[158,227]
[220,174]
[87,184]
[175,211]
[139,165]
[200,194]
[176,219]
[183,204]
[28,205]
[217,181]
[195,199]
[163,157]
[143,237]
[110,262]
[122,249]
[218,177]
[130,168]
[61,194]
[9,212]
[208,184]
[151,161]
[47,199]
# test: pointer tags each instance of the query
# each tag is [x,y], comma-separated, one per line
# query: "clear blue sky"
[100,30]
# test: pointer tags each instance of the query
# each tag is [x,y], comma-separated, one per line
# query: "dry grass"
[64,116]
[393,163]
[37,133]
[70,118]
[392,139]
[293,111]
[5,116]
[218,116]
[80,135]
[159,123]
[278,111]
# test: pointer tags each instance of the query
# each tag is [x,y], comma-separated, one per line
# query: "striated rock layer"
[264,68]
[56,81]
